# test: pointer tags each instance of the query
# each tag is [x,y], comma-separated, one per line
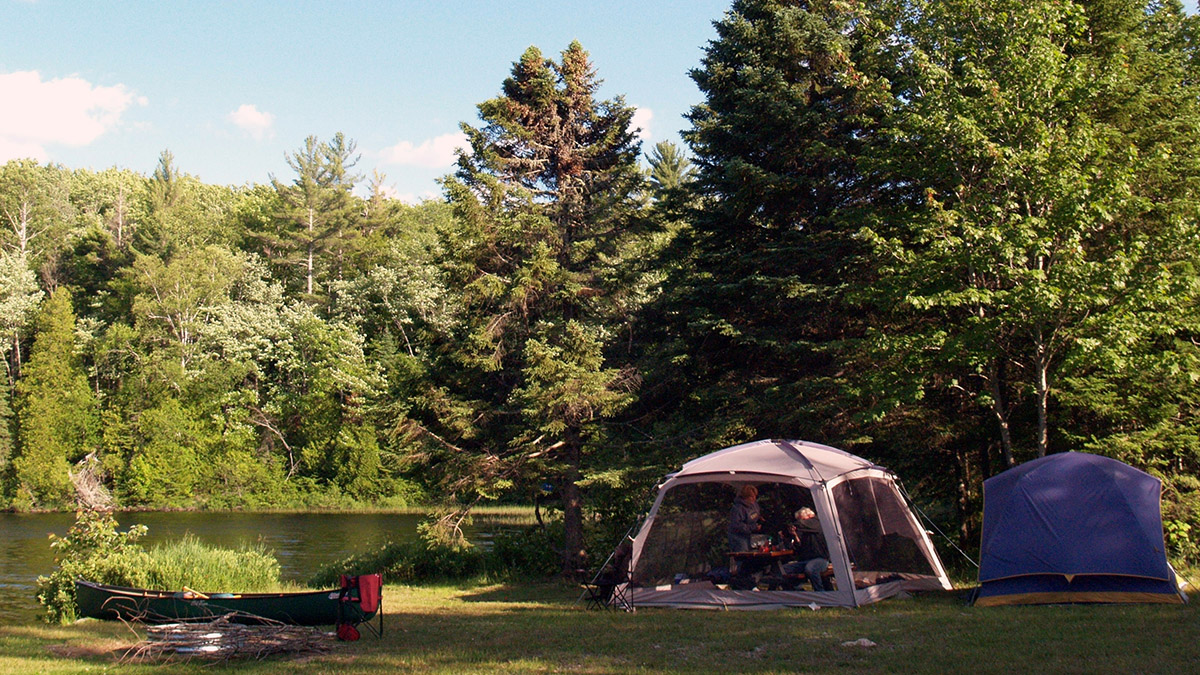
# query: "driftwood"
[222,639]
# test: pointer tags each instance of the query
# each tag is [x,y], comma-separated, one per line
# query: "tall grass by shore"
[189,562]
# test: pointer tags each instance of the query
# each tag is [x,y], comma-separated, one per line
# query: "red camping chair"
[366,590]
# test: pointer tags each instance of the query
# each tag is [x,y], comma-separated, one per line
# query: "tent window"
[880,536]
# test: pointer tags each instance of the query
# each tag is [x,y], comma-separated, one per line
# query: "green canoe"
[311,608]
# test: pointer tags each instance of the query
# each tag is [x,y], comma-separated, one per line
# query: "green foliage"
[316,226]
[407,562]
[88,547]
[519,553]
[526,552]
[670,169]
[545,198]
[94,549]
[948,236]
[167,471]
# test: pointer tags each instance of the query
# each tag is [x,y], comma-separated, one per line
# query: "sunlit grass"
[539,628]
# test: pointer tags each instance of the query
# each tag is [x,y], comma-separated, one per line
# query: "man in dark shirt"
[808,543]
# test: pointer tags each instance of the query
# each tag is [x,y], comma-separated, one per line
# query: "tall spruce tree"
[546,191]
[794,92]
[57,413]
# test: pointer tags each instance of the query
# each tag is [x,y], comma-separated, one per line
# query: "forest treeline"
[946,235]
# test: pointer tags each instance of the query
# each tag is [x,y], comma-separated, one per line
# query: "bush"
[525,553]
[88,545]
[407,562]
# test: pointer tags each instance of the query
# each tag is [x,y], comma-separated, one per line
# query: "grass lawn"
[539,628]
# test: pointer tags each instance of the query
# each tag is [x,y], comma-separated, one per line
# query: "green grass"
[539,628]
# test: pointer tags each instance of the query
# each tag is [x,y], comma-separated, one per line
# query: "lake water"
[302,542]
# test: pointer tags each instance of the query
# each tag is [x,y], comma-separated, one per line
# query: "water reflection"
[301,542]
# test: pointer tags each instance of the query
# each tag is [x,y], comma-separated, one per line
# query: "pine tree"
[318,219]
[545,194]
[794,92]
[670,169]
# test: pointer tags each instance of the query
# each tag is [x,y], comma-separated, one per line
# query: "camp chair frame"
[612,593]
[369,591]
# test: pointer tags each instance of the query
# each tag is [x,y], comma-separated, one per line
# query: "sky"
[231,88]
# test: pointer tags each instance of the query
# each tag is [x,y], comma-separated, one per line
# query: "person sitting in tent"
[744,518]
[806,540]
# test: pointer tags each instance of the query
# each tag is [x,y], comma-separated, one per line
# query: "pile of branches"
[223,639]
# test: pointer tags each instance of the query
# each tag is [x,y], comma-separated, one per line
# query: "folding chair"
[598,594]
[365,590]
[609,588]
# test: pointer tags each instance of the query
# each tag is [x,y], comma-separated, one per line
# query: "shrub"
[87,546]
[407,562]
[527,552]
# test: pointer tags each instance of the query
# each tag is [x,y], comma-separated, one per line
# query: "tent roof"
[1072,514]
[778,457]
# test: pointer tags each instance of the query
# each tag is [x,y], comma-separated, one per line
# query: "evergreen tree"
[57,414]
[670,169]
[544,196]
[319,211]
[794,93]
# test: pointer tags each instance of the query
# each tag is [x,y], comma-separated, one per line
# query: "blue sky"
[231,87]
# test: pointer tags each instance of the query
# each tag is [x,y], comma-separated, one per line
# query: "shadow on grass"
[542,593]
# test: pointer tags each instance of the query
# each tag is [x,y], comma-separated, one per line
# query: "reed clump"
[189,562]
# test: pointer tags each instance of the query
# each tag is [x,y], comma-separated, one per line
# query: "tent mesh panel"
[689,535]
[879,534]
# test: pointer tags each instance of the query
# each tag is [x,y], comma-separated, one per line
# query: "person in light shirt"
[807,541]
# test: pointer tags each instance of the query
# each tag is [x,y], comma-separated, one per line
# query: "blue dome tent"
[1073,528]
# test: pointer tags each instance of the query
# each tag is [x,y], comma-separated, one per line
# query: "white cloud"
[641,121]
[67,111]
[13,149]
[250,119]
[414,199]
[433,153]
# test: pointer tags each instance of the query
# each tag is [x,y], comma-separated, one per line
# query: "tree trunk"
[16,356]
[573,551]
[1001,413]
[1042,363]
[962,502]
[311,245]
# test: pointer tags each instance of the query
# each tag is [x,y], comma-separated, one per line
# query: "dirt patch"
[105,649]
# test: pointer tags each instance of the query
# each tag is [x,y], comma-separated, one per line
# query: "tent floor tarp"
[1054,589]
[709,596]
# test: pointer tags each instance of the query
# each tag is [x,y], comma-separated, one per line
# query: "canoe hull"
[313,608]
